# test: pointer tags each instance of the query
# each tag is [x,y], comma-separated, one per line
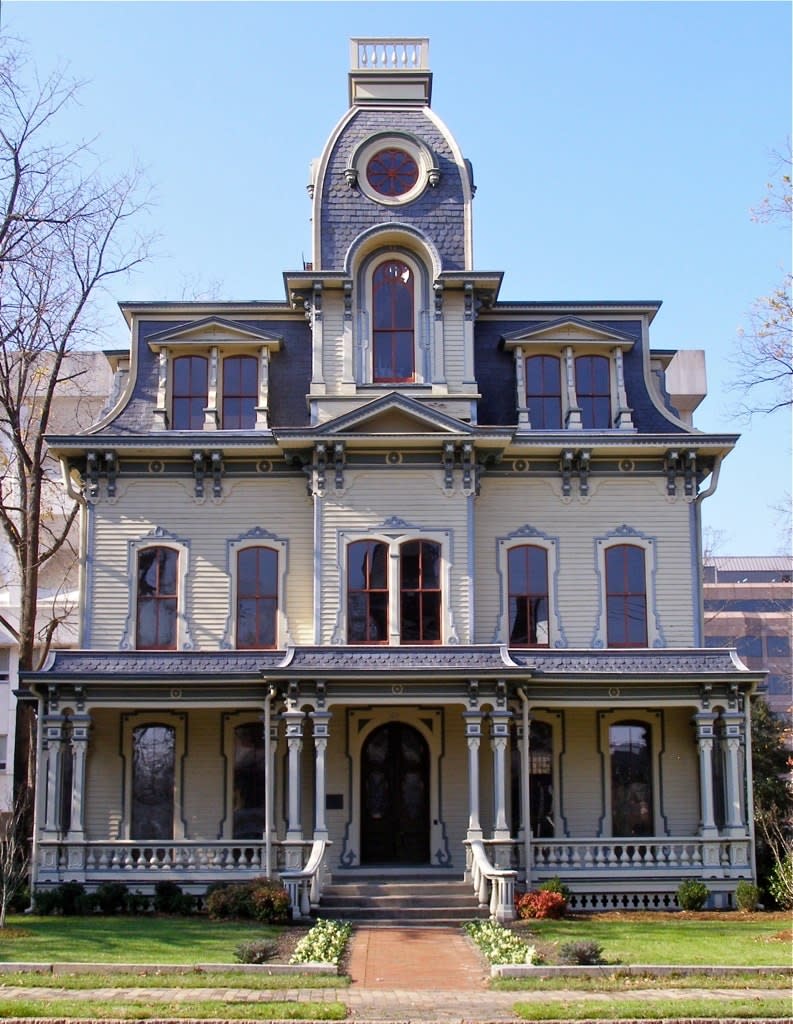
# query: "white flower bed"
[499,944]
[323,944]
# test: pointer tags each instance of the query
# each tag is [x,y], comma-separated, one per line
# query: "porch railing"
[571,857]
[494,887]
[305,886]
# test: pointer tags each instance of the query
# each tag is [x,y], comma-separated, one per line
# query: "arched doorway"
[395,803]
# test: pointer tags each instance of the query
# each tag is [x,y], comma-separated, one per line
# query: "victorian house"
[393,575]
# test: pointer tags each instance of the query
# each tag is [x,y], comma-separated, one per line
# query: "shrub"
[541,903]
[499,944]
[555,884]
[136,903]
[692,895]
[111,897]
[169,899]
[256,951]
[46,902]
[747,896]
[323,944]
[780,885]
[581,953]
[269,902]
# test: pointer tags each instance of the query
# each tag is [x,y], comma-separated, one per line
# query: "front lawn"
[711,939]
[133,940]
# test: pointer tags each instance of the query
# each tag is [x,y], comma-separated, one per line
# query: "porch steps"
[399,901]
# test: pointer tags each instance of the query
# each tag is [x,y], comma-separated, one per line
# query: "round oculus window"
[392,172]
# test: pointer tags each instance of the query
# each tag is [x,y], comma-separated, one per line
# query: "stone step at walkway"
[406,901]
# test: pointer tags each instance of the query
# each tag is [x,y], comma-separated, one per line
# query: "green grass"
[134,940]
[201,1009]
[622,983]
[260,981]
[672,939]
[642,1009]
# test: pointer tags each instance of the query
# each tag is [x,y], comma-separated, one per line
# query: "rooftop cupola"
[388,72]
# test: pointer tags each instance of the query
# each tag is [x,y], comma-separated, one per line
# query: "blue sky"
[617,148]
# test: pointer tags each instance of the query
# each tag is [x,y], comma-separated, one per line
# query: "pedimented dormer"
[569,374]
[213,374]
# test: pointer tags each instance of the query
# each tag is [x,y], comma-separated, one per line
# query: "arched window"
[528,596]
[153,774]
[544,392]
[593,390]
[189,392]
[420,592]
[367,592]
[631,779]
[626,596]
[157,599]
[393,341]
[257,597]
[240,392]
[249,769]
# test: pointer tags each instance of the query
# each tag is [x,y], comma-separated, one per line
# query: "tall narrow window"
[393,318]
[631,779]
[249,768]
[540,781]
[594,391]
[367,592]
[257,597]
[528,596]
[544,392]
[153,774]
[157,599]
[240,392]
[626,596]
[189,392]
[420,592]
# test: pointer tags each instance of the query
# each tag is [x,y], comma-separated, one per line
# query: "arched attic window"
[393,317]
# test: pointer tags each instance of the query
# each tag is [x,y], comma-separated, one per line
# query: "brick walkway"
[414,959]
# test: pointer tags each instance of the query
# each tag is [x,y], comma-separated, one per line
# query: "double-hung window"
[157,599]
[240,393]
[257,597]
[626,596]
[544,392]
[190,390]
[393,340]
[527,566]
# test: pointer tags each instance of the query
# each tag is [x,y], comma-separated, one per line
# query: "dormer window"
[213,375]
[569,375]
[393,337]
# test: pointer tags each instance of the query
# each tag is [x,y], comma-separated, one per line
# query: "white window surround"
[422,334]
[394,543]
[654,722]
[170,720]
[215,340]
[566,340]
[626,535]
[158,538]
[428,171]
[527,535]
[257,538]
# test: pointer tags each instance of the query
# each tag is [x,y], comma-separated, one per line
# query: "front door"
[395,815]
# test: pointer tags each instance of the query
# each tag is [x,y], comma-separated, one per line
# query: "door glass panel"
[395,796]
[153,766]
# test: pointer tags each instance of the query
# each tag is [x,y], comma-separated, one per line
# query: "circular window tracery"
[392,172]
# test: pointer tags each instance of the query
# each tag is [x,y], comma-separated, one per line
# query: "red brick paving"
[415,958]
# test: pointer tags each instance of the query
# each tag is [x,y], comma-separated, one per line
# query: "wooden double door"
[395,806]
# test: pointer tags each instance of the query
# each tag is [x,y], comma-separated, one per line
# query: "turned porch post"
[473,734]
[499,737]
[81,723]
[294,742]
[733,777]
[704,722]
[321,721]
[53,730]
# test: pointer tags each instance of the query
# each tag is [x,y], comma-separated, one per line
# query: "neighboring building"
[86,379]
[396,565]
[749,606]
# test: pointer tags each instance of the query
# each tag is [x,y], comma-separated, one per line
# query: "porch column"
[53,729]
[81,724]
[321,721]
[704,721]
[732,722]
[294,742]
[499,737]
[473,734]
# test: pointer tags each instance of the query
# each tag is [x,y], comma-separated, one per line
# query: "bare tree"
[763,354]
[14,856]
[64,233]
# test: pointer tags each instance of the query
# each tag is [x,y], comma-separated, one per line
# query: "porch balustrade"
[572,857]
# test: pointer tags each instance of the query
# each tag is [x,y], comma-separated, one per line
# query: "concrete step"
[420,899]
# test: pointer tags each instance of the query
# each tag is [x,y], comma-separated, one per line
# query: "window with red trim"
[257,598]
[420,592]
[593,389]
[240,392]
[544,392]
[157,598]
[528,596]
[367,592]
[189,392]
[626,596]
[393,335]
